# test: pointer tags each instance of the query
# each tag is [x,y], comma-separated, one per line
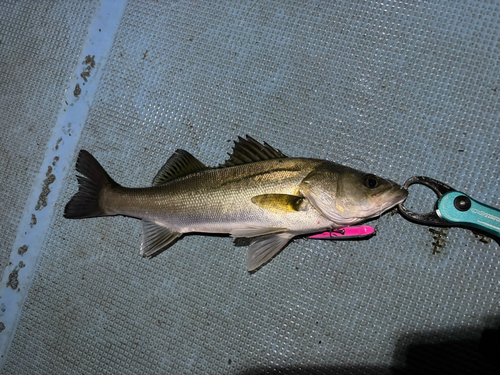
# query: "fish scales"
[222,198]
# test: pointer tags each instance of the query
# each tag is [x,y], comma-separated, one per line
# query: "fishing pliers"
[454,209]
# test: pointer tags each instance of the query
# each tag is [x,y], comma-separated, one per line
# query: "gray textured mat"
[396,88]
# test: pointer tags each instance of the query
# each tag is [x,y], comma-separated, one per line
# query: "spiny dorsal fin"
[180,164]
[248,150]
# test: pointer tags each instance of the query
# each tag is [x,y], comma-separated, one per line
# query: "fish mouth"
[390,199]
[384,202]
[398,196]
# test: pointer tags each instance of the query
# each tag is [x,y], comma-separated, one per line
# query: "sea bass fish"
[258,193]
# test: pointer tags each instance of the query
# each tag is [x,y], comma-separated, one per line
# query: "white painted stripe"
[56,164]
[489,225]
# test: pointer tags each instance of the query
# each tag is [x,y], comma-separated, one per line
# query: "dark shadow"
[245,241]
[318,370]
[466,351]
[473,351]
[242,241]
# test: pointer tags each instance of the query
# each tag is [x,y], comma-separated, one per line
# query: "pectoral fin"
[263,248]
[156,238]
[279,203]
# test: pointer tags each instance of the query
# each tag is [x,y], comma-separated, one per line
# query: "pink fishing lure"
[345,233]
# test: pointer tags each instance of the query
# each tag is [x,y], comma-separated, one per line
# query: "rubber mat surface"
[395,88]
[39,46]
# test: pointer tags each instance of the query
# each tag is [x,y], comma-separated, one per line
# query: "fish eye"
[370,181]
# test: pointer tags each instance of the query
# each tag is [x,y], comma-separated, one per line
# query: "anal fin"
[263,248]
[156,238]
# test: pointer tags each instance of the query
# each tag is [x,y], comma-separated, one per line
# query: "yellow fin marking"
[279,203]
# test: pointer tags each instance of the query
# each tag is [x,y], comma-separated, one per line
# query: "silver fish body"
[220,200]
[258,193]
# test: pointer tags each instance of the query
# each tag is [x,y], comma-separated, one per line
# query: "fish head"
[347,196]
[363,195]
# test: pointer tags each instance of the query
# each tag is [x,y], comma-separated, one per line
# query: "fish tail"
[86,202]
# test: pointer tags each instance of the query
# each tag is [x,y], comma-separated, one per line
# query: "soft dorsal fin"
[248,150]
[180,164]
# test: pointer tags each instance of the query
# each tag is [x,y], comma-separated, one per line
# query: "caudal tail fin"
[85,203]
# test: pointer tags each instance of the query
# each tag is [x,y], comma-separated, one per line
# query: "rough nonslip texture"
[39,46]
[395,88]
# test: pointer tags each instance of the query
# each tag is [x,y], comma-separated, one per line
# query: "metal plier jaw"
[431,218]
[454,209]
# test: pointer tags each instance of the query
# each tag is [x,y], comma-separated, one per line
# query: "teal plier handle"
[454,208]
[460,209]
